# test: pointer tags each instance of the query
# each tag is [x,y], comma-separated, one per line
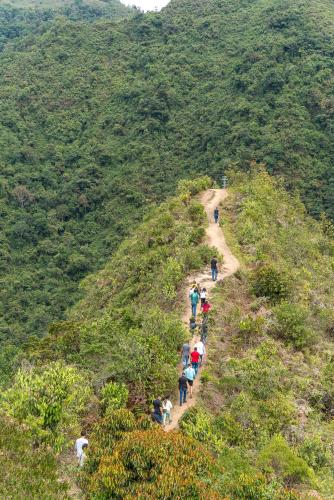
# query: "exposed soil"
[215,238]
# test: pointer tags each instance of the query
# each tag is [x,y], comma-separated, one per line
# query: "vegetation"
[272,352]
[100,120]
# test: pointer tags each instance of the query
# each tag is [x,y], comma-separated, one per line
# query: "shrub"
[114,396]
[49,401]
[315,453]
[271,283]
[291,324]
[250,327]
[26,472]
[200,425]
[257,487]
[278,458]
[154,464]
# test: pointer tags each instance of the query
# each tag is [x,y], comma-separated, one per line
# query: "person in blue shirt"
[189,373]
[194,299]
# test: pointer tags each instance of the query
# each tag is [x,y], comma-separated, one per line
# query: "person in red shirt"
[206,307]
[195,359]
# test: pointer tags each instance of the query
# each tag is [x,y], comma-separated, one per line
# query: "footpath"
[210,199]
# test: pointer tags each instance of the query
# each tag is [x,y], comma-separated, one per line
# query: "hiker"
[80,442]
[194,299]
[83,455]
[192,289]
[166,409]
[157,412]
[183,388]
[201,350]
[216,214]
[206,307]
[214,268]
[190,375]
[185,353]
[195,359]
[203,296]
[204,329]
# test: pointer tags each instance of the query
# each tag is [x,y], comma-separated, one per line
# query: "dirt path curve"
[214,237]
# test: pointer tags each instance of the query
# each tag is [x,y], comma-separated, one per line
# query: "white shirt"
[167,406]
[200,348]
[78,446]
[203,295]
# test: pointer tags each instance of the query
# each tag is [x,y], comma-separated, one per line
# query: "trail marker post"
[224,181]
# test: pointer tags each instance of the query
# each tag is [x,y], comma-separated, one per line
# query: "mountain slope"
[20,17]
[100,120]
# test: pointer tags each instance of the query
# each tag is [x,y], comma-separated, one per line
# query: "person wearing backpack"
[216,214]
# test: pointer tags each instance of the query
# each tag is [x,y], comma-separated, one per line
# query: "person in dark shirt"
[214,268]
[157,412]
[216,214]
[183,388]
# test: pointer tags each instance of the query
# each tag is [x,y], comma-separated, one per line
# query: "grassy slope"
[271,370]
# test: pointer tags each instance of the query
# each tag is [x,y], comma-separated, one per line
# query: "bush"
[114,396]
[48,401]
[257,487]
[26,472]
[154,464]
[200,425]
[278,458]
[271,283]
[315,453]
[291,324]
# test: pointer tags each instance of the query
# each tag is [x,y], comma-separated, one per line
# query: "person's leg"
[180,397]
[184,395]
[196,368]
[164,418]
[213,274]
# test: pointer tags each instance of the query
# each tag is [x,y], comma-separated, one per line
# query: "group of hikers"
[192,358]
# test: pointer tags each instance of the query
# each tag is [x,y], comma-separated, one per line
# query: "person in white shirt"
[166,410]
[203,296]
[79,444]
[200,349]
[83,455]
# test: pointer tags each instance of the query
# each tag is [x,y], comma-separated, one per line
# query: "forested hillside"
[21,17]
[100,120]
[263,427]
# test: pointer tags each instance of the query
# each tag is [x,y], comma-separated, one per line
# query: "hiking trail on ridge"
[214,237]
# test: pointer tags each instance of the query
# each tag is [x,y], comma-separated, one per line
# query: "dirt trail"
[214,237]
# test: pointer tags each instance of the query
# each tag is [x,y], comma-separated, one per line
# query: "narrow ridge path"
[210,199]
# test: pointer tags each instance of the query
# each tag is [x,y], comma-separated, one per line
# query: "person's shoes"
[185,401]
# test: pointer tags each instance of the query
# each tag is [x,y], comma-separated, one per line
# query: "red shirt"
[195,357]
[206,308]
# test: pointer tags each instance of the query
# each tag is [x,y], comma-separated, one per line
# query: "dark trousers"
[183,395]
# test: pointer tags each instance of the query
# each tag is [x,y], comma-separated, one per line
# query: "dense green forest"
[100,119]
[263,428]
[19,18]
